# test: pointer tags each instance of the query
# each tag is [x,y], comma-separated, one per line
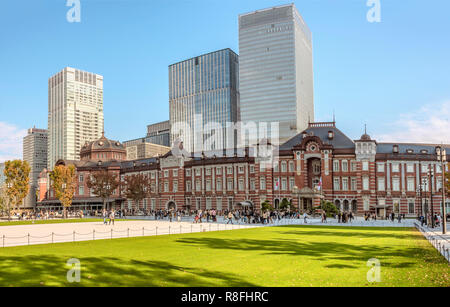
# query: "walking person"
[105,216]
[112,217]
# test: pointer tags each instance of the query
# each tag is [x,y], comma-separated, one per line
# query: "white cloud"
[430,124]
[11,138]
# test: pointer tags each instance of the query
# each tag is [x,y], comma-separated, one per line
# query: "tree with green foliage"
[17,182]
[103,183]
[63,182]
[136,187]
[3,198]
[266,206]
[285,204]
[329,208]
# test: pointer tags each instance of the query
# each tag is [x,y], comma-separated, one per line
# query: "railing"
[440,243]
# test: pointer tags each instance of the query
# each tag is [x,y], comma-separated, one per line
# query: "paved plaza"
[75,232]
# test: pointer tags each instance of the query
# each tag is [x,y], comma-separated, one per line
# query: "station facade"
[321,163]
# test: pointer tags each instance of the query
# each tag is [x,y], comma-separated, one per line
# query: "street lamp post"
[430,174]
[442,158]
[9,186]
[419,197]
[424,188]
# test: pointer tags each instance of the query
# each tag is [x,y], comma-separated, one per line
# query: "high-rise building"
[141,149]
[75,113]
[159,133]
[2,176]
[276,69]
[204,90]
[35,153]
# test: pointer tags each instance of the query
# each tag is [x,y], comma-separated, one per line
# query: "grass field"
[56,221]
[271,256]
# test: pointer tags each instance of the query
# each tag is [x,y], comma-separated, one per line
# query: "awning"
[246,204]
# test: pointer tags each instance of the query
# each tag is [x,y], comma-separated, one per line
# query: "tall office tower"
[276,69]
[35,153]
[75,113]
[159,133]
[204,90]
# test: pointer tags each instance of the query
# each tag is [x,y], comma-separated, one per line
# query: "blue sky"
[393,75]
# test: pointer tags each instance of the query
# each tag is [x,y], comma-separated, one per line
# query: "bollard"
[111,234]
[3,240]
[181,230]
[143,231]
[93,235]
[128,232]
[209,227]
[52,237]
[191,229]
[74,236]
[169,230]
[28,239]
[156,230]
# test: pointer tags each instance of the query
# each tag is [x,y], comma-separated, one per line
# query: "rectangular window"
[411,186]
[335,166]
[219,203]
[252,184]
[81,190]
[365,166]
[188,186]
[411,207]
[291,184]
[229,170]
[380,167]
[344,166]
[81,179]
[218,171]
[166,187]
[166,174]
[353,166]
[336,186]
[198,172]
[188,173]
[291,166]
[241,169]
[252,169]
[241,184]
[381,184]
[410,168]
[175,186]
[396,184]
[365,183]
[208,172]
[208,185]
[262,183]
[354,184]
[395,167]
[283,167]
[219,185]
[283,184]
[230,185]
[175,173]
[344,184]
[208,203]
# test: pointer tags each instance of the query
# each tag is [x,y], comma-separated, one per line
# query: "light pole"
[424,188]
[419,196]
[430,174]
[442,158]
[9,186]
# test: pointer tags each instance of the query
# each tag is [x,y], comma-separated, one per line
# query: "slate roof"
[339,141]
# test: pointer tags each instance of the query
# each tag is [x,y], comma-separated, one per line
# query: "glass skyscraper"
[276,69]
[204,90]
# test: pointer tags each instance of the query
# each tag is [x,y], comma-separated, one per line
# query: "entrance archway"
[171,205]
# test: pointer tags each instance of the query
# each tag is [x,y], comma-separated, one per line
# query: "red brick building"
[362,176]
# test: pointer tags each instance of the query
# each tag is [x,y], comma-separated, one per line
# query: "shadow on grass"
[314,250]
[51,270]
[365,232]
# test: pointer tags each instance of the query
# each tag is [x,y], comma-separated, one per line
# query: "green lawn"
[56,221]
[272,256]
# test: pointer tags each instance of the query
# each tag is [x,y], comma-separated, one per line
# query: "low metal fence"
[440,243]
